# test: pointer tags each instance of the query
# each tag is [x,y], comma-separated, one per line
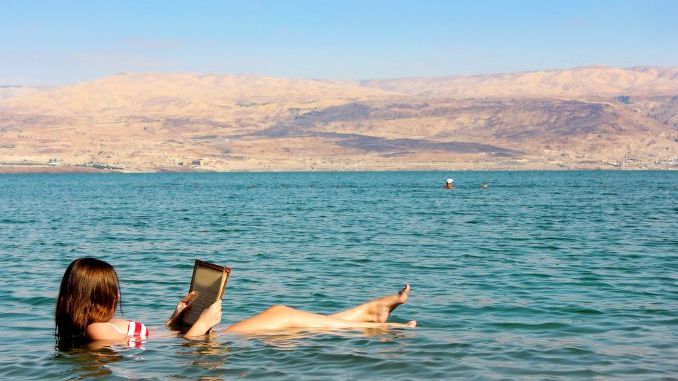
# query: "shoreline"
[8,170]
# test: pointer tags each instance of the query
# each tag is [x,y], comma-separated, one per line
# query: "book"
[209,282]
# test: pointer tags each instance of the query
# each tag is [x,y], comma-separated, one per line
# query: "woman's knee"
[278,308]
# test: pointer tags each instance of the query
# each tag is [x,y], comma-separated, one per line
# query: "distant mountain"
[593,81]
[181,93]
[591,117]
[11,91]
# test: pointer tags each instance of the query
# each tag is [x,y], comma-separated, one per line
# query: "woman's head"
[88,294]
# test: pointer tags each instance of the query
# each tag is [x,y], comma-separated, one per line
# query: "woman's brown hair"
[88,294]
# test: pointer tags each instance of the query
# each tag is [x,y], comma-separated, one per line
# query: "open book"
[208,281]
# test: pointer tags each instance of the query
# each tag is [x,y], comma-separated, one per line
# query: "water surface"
[545,275]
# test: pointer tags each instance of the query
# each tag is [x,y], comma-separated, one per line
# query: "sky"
[63,42]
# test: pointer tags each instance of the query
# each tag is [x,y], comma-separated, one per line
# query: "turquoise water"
[545,275]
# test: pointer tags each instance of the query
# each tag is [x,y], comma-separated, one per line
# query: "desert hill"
[185,94]
[592,81]
[591,117]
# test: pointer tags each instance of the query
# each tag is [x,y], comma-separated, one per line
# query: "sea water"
[544,275]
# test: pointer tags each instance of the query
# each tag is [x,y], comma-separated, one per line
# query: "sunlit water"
[545,275]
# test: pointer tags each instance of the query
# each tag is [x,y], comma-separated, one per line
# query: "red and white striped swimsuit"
[137,330]
[137,333]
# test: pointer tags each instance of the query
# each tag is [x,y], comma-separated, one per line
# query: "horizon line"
[205,74]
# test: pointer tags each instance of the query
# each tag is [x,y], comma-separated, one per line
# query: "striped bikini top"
[135,330]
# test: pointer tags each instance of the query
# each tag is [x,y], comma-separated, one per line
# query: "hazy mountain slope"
[581,82]
[185,94]
[9,91]
[570,118]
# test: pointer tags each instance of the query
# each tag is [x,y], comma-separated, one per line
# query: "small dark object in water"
[484,185]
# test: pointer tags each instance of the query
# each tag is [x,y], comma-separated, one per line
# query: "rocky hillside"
[593,117]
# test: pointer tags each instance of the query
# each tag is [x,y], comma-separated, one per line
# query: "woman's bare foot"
[377,310]
[381,308]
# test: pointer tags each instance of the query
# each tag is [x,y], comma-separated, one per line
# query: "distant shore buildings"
[55,162]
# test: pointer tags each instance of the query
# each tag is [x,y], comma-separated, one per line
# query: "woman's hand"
[181,307]
[184,302]
[210,317]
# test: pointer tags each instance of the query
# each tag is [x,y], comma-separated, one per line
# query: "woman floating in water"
[89,296]
[449,184]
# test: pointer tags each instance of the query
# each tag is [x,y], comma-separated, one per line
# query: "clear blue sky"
[59,42]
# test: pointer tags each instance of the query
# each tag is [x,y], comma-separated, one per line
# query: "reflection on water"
[292,338]
[206,353]
[90,361]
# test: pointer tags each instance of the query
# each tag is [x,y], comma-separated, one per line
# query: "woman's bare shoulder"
[112,330]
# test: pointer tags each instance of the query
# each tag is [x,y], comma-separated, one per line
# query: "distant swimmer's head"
[450,181]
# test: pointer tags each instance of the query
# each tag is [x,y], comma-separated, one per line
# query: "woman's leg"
[376,310]
[372,314]
[282,317]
